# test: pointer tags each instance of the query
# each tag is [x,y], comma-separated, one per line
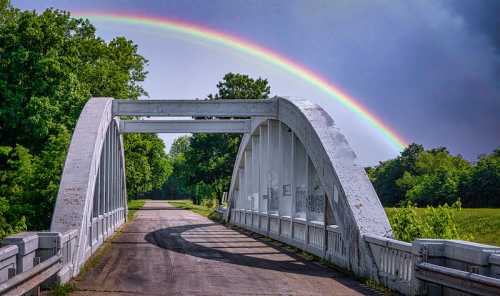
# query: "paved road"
[168,251]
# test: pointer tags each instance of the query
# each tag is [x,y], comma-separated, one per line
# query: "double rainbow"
[262,53]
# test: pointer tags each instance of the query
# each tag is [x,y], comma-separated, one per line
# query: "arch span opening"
[295,178]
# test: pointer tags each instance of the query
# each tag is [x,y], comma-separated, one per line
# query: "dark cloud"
[428,68]
[482,17]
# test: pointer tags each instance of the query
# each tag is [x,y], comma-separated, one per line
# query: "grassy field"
[133,206]
[187,204]
[482,224]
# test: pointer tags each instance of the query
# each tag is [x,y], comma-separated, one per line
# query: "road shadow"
[188,239]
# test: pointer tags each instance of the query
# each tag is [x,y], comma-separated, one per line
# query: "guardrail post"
[49,244]
[494,263]
[420,254]
[68,241]
[8,262]
[27,242]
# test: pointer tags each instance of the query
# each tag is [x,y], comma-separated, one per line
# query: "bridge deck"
[168,251]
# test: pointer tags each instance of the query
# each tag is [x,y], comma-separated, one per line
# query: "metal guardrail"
[30,259]
[435,267]
[468,282]
[33,278]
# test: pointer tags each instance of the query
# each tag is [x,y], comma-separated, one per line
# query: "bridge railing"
[335,249]
[436,267]
[29,260]
[312,236]
[423,267]
[395,263]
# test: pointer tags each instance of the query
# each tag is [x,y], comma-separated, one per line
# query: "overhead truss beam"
[196,108]
[185,126]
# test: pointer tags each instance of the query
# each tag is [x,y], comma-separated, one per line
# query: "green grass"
[187,204]
[133,206]
[482,224]
[61,290]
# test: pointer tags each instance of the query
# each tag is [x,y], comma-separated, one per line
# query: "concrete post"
[264,169]
[255,173]
[27,244]
[293,185]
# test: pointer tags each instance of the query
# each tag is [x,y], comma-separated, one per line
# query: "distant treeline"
[435,177]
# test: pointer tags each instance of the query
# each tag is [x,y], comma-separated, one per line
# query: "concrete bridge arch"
[320,200]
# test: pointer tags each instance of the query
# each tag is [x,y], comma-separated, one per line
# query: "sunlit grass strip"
[133,206]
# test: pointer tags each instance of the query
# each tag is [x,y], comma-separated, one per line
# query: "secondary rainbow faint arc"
[238,43]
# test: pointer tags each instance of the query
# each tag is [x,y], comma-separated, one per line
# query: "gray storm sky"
[429,69]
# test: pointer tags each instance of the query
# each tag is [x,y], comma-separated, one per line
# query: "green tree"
[147,163]
[236,86]
[180,146]
[50,65]
[177,185]
[481,187]
[436,178]
[385,176]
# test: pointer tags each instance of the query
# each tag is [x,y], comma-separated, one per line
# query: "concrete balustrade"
[435,267]
[8,262]
[27,244]
[335,249]
[461,255]
[295,181]
[395,263]
[310,236]
[31,259]
[67,245]
[494,263]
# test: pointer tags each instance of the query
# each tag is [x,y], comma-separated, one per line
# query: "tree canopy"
[435,177]
[50,65]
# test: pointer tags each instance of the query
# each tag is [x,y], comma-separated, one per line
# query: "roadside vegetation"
[478,225]
[206,209]
[434,194]
[134,205]
[434,177]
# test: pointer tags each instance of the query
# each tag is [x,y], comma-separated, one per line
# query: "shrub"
[433,222]
[405,223]
[209,203]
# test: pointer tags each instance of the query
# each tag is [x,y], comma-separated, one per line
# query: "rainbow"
[262,53]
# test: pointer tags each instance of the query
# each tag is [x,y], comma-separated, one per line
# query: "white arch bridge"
[295,180]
